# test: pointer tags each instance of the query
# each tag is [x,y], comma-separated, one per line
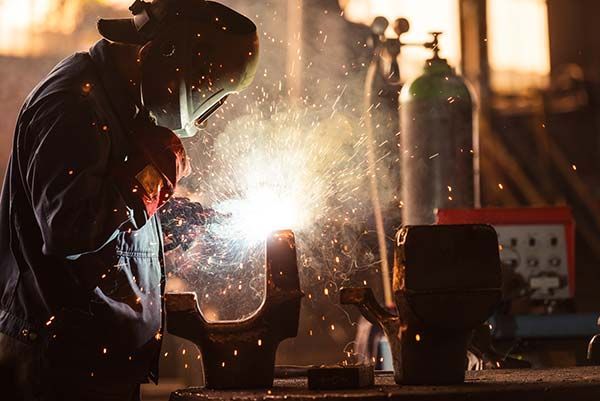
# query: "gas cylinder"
[438,142]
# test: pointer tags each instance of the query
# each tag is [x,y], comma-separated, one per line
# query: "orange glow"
[424,16]
[118,4]
[518,44]
[41,27]
[22,23]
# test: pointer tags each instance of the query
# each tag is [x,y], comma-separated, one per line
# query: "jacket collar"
[114,84]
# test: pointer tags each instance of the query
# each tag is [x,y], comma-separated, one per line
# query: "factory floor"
[575,384]
[162,392]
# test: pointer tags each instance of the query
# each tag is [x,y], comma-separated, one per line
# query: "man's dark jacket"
[81,267]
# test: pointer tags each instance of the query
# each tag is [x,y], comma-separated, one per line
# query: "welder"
[96,154]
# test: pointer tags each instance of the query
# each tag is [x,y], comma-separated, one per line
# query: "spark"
[289,169]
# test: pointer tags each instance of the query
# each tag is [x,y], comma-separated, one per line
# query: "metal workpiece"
[364,299]
[446,283]
[340,377]
[593,351]
[241,354]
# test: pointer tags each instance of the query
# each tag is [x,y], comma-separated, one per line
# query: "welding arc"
[375,198]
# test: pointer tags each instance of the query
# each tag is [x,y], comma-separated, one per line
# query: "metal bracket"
[446,283]
[241,354]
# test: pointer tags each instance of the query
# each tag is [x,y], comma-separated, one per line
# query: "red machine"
[537,244]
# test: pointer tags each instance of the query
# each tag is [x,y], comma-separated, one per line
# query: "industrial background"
[533,67]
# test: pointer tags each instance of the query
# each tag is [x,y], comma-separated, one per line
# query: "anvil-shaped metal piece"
[446,283]
[241,354]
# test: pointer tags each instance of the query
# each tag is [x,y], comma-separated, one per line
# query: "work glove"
[183,221]
[155,164]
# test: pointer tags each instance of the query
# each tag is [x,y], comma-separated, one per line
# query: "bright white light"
[298,169]
[263,211]
[276,189]
[275,174]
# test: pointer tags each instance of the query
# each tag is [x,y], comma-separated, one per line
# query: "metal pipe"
[373,185]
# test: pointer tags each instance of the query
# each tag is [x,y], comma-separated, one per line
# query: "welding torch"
[183,219]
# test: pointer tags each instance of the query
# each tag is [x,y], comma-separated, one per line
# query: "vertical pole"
[475,67]
[373,182]
[294,49]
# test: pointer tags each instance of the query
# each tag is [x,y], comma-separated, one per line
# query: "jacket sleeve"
[78,203]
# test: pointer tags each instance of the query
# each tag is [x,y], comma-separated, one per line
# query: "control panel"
[538,254]
[536,245]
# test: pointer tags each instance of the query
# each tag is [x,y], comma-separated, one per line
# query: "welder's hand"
[189,213]
[157,161]
[182,220]
[211,216]
[163,148]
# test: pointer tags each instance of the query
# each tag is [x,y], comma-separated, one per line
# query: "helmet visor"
[192,122]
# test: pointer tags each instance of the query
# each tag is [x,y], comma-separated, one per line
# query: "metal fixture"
[241,354]
[340,377]
[446,283]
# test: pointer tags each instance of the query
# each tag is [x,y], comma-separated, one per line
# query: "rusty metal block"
[340,377]
[446,283]
[241,354]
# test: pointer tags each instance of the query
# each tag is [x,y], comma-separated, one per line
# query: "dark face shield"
[195,54]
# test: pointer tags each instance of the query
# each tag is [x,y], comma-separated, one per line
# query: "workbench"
[570,384]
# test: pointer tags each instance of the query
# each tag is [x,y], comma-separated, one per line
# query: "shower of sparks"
[279,156]
[280,175]
[294,169]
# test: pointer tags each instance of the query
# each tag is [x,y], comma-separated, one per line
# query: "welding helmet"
[194,53]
